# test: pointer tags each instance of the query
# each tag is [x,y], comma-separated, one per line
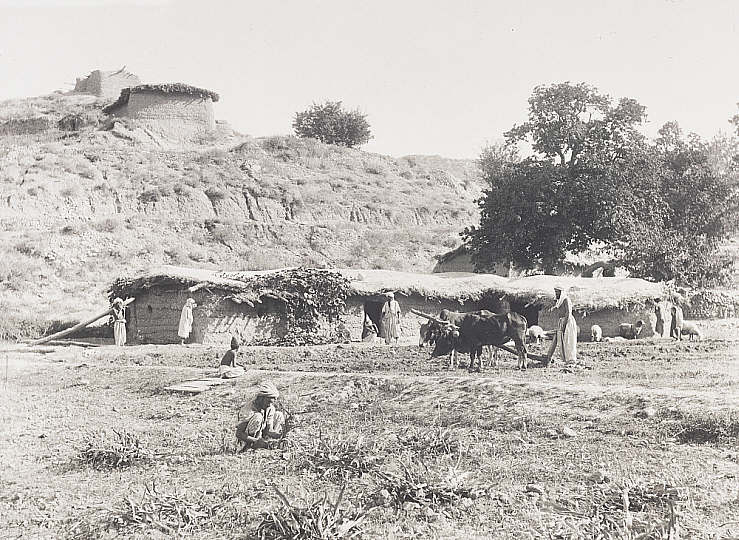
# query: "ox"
[469,332]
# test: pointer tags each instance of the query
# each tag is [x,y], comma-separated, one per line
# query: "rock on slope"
[79,207]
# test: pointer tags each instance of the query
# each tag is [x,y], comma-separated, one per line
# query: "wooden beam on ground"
[79,326]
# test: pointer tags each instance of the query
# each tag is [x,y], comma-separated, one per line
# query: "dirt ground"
[546,452]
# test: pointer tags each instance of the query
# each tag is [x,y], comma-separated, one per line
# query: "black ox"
[469,332]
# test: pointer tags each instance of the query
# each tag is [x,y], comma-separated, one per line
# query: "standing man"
[119,322]
[391,319]
[186,320]
[566,336]
[662,312]
[262,424]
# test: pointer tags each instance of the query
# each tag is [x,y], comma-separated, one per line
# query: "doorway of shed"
[373,310]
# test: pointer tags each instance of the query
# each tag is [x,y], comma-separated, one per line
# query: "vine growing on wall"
[309,295]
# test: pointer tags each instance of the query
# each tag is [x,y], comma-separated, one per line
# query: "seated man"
[262,424]
[369,330]
[229,369]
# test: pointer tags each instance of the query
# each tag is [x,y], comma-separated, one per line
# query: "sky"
[433,77]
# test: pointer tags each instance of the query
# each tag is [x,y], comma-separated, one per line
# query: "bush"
[329,123]
[215,193]
[150,195]
[108,225]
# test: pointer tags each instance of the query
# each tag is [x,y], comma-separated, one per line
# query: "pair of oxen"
[452,332]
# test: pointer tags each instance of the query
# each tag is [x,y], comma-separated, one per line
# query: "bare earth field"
[422,451]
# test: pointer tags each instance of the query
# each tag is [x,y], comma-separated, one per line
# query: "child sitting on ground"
[229,369]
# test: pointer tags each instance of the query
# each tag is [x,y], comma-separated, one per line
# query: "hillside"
[80,207]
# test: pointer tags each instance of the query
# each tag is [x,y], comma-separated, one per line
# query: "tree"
[561,198]
[594,178]
[330,123]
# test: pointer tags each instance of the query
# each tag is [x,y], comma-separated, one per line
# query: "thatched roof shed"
[587,293]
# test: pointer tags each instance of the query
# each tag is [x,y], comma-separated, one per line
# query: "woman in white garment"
[566,336]
[186,320]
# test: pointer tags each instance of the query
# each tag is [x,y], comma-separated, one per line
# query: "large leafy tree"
[561,198]
[594,178]
[330,123]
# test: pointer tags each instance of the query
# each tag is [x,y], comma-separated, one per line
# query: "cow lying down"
[455,332]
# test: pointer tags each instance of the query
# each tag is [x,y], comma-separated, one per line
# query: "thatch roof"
[163,88]
[588,294]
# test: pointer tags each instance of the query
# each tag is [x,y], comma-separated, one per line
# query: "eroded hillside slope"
[79,207]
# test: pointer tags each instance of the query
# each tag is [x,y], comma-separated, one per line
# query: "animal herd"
[454,332]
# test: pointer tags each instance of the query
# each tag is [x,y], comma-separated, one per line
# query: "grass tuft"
[415,484]
[319,520]
[339,458]
[433,441]
[169,512]
[111,449]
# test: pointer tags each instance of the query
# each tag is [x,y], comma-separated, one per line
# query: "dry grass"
[319,520]
[112,449]
[482,441]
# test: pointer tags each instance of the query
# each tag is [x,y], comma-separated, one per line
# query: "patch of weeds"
[375,167]
[111,449]
[433,441]
[337,458]
[181,190]
[701,426]
[70,229]
[170,512]
[68,191]
[316,521]
[108,225]
[415,484]
[215,193]
[150,195]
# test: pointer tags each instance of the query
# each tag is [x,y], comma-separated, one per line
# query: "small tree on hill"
[330,123]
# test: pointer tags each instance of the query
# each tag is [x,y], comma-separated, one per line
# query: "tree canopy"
[594,178]
[330,123]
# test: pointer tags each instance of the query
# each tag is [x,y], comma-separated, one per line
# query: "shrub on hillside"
[150,195]
[330,123]
[108,225]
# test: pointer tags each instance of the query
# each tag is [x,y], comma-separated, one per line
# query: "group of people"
[389,322]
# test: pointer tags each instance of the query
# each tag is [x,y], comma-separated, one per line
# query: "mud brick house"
[175,110]
[228,303]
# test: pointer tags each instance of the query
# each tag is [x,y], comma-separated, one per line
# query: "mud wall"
[179,116]
[607,319]
[155,316]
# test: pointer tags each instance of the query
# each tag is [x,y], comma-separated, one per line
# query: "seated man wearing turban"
[262,424]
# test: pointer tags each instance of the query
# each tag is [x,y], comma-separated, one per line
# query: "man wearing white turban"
[391,320]
[261,424]
[186,320]
[566,336]
[119,322]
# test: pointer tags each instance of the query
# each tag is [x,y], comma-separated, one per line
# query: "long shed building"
[230,305]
